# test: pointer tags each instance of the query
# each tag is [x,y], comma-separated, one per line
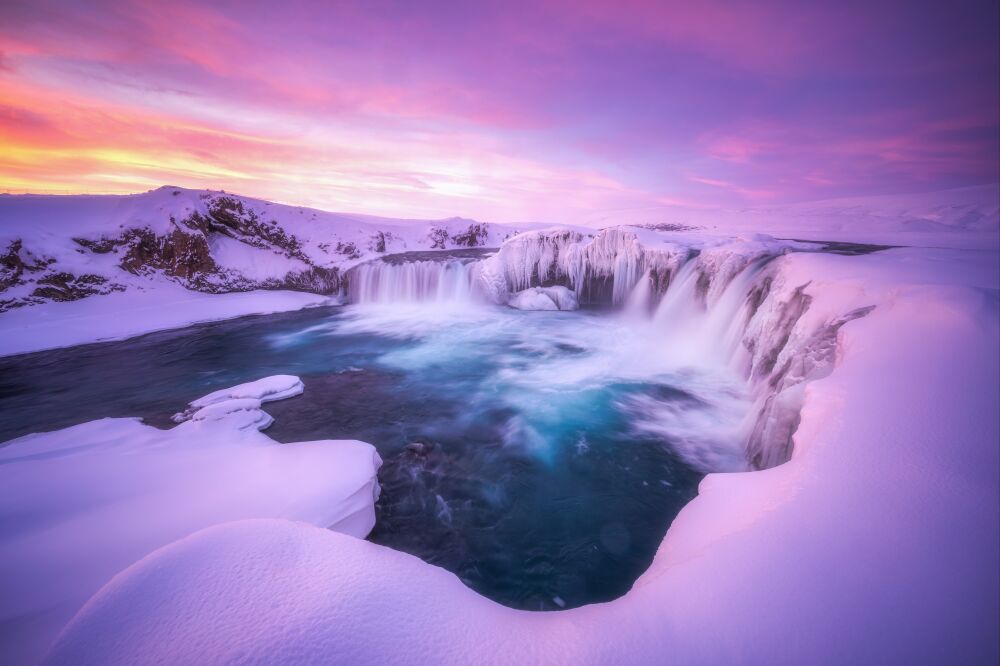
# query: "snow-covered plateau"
[859,521]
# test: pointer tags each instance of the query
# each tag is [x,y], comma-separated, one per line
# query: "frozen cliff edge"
[150,487]
[739,296]
[875,543]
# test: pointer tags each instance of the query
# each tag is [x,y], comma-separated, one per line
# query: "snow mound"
[248,396]
[272,592]
[161,306]
[111,491]
[544,298]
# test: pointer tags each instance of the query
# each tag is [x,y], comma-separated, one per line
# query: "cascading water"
[689,308]
[695,306]
[421,281]
[539,456]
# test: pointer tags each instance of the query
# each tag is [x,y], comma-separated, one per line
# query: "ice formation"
[706,297]
[77,269]
[544,298]
[148,487]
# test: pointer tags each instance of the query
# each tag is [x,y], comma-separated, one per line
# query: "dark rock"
[475,236]
[420,449]
[180,254]
[438,238]
[349,250]
[13,265]
[68,287]
[316,280]
[99,246]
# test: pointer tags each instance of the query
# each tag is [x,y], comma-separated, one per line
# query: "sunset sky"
[500,111]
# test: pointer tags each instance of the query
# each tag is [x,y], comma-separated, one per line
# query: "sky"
[506,111]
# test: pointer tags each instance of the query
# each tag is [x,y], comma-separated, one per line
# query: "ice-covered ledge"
[871,545]
[149,487]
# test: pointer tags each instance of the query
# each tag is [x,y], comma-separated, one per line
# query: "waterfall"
[383,281]
[722,303]
[733,305]
[602,270]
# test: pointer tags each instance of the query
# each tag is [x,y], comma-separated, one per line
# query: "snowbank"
[81,504]
[544,298]
[268,389]
[126,314]
[876,543]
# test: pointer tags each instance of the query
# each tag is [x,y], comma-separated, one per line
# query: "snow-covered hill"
[64,248]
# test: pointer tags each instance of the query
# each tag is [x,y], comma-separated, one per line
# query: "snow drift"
[114,490]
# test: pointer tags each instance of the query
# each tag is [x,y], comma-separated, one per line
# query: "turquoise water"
[541,457]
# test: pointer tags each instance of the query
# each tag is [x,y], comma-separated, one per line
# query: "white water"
[699,321]
[413,282]
[700,325]
[550,386]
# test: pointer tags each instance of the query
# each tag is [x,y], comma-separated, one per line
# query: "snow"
[47,225]
[876,542]
[126,314]
[544,298]
[79,505]
[253,263]
[268,389]
[961,218]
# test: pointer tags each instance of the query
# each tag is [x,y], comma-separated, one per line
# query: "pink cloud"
[503,109]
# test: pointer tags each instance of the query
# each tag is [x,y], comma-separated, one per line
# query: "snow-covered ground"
[129,313]
[79,505]
[877,542]
[958,218]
